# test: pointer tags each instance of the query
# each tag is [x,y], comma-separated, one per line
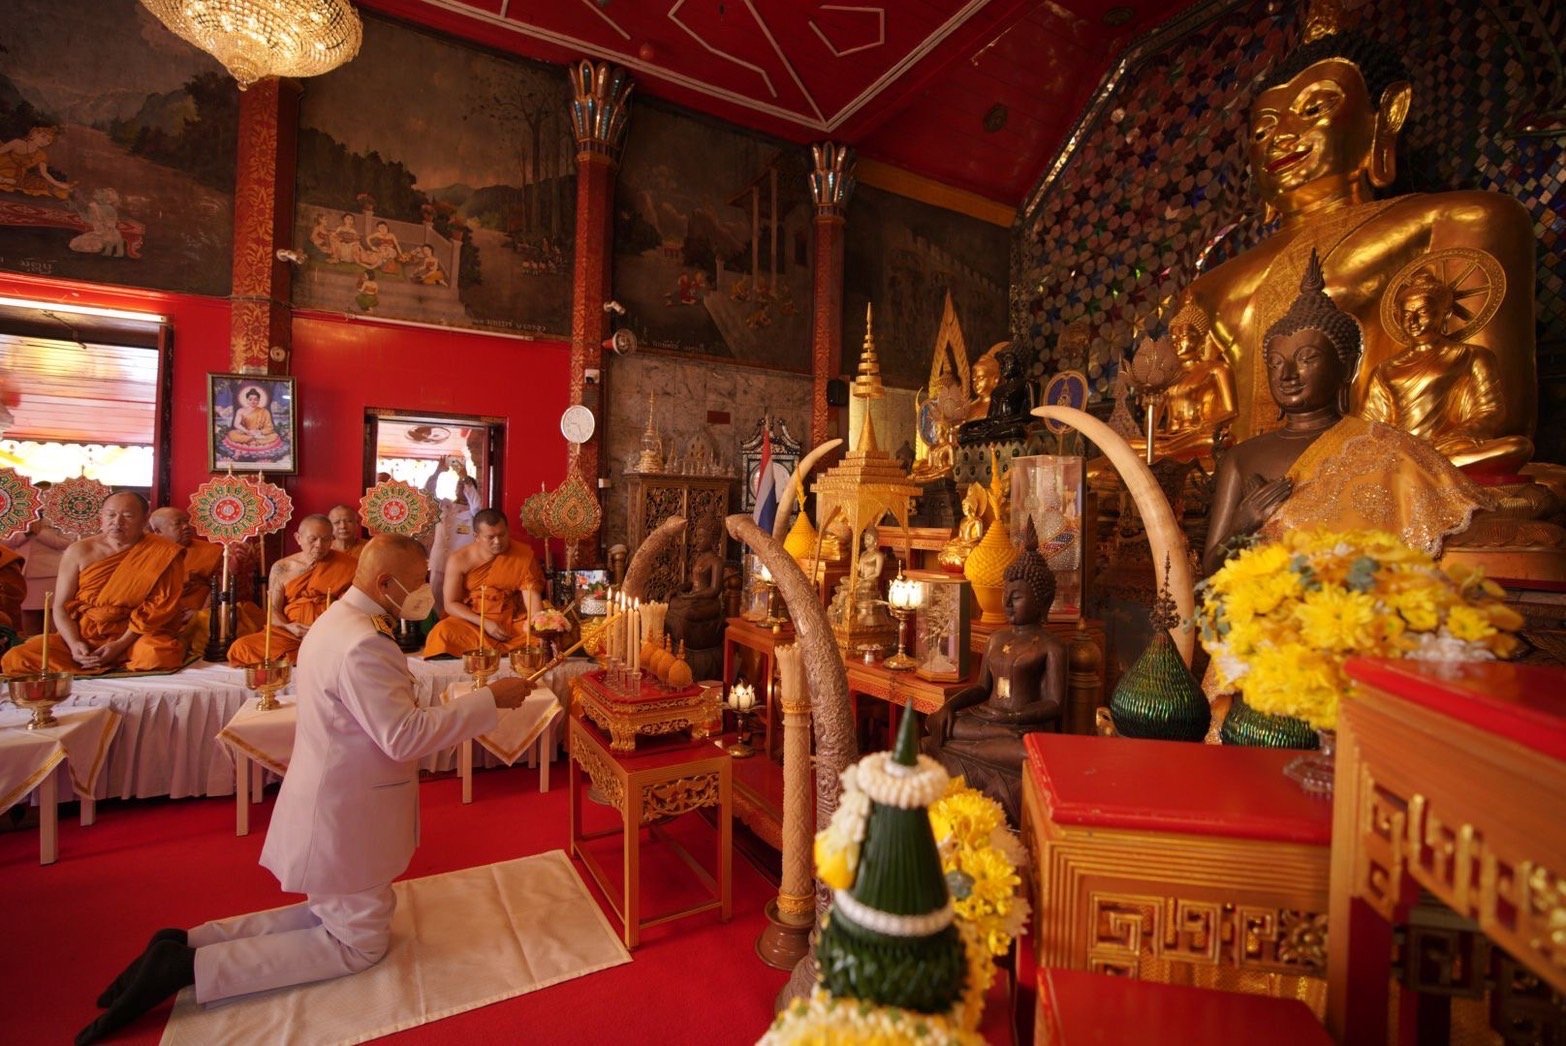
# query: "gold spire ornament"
[254,39]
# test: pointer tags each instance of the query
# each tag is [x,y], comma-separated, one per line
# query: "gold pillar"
[791,915]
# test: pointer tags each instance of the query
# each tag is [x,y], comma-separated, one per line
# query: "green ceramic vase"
[1246,726]
[1158,698]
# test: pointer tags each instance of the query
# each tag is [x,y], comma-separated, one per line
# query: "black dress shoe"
[117,986]
[167,967]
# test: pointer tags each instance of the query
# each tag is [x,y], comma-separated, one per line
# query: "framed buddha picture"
[252,423]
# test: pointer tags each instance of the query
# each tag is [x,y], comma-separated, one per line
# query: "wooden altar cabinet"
[1451,778]
[653,497]
[1177,862]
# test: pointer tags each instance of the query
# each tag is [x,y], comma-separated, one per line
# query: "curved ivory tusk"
[639,571]
[1164,535]
[836,745]
[796,483]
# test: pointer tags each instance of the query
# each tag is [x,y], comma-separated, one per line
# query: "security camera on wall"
[623,342]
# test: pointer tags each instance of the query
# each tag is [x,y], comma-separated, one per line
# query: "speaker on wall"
[837,393]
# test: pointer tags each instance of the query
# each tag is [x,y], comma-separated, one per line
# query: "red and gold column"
[831,184]
[600,109]
[260,330]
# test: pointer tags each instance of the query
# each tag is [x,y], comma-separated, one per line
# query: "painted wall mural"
[712,241]
[437,184]
[904,256]
[1158,173]
[116,161]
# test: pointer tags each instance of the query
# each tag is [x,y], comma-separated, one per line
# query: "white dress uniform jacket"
[346,818]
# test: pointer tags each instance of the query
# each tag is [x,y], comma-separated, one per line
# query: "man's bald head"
[123,517]
[389,557]
[314,536]
[171,523]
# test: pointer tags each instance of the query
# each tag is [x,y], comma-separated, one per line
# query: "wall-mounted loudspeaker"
[837,393]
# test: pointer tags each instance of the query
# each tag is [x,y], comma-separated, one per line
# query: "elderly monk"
[300,587]
[203,560]
[118,600]
[495,576]
[346,536]
[13,587]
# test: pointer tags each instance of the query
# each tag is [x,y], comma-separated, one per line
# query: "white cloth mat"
[460,940]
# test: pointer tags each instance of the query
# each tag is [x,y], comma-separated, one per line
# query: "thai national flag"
[766,509]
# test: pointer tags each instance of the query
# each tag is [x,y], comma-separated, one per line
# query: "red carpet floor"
[70,927]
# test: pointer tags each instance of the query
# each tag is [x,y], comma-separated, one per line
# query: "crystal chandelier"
[257,38]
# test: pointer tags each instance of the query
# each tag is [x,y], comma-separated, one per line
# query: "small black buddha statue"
[1010,404]
[1020,688]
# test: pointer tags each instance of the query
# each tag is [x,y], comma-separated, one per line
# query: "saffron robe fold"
[203,561]
[305,598]
[137,589]
[13,588]
[494,590]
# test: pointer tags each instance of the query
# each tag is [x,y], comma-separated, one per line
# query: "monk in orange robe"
[301,586]
[13,588]
[494,576]
[117,596]
[346,535]
[203,560]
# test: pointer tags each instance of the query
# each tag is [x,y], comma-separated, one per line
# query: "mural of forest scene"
[904,256]
[437,184]
[712,241]
[117,144]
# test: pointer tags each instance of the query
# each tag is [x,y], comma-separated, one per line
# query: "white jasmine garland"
[893,784]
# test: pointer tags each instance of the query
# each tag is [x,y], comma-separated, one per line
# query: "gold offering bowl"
[39,692]
[269,677]
[481,664]
[528,659]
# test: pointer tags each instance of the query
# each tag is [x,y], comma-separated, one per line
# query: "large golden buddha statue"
[1323,139]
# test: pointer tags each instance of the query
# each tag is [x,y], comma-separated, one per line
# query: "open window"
[430,452]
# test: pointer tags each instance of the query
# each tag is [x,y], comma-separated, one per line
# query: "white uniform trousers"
[327,936]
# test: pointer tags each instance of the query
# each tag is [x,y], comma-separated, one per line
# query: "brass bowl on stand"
[481,664]
[39,692]
[268,678]
[525,660]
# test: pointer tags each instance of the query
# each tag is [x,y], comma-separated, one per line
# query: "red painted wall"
[343,366]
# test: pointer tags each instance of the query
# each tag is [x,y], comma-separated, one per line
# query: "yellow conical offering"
[987,563]
[800,541]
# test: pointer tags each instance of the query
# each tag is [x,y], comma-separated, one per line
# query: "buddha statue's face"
[1304,371]
[1422,313]
[1187,340]
[986,372]
[1021,604]
[1320,125]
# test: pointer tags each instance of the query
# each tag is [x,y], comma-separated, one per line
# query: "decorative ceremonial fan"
[573,512]
[533,513]
[227,509]
[20,503]
[73,505]
[277,508]
[393,507]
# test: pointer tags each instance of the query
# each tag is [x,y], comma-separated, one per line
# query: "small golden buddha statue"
[954,554]
[858,601]
[1323,139]
[1201,397]
[985,375]
[1441,388]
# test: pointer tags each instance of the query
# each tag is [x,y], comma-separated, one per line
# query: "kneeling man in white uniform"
[346,820]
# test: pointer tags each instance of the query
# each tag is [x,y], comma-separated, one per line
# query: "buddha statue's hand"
[1257,507]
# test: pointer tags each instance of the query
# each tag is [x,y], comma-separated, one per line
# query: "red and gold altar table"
[897,689]
[29,759]
[1182,863]
[1076,1008]
[647,710]
[659,781]
[1451,779]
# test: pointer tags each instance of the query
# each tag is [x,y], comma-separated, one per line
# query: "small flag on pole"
[766,509]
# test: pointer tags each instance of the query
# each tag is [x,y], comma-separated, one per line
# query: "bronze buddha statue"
[1020,688]
[1323,139]
[1323,467]
[695,616]
[1010,403]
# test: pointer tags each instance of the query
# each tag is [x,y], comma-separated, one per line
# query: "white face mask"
[416,605]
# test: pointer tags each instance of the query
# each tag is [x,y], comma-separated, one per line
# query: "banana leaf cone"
[899,875]
[1159,698]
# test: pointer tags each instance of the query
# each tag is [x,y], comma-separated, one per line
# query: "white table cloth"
[29,759]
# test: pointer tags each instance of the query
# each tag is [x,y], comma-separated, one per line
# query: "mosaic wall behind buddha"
[1157,172]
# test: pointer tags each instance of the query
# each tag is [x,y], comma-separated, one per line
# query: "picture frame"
[252,423]
[592,588]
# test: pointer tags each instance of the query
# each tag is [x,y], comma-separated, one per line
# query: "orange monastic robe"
[13,588]
[305,597]
[501,581]
[138,589]
[203,560]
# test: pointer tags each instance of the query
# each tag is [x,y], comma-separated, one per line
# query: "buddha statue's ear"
[1390,114]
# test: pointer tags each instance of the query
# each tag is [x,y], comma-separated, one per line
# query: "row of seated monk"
[135,596]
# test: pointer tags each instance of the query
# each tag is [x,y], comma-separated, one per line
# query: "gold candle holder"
[268,678]
[39,692]
[481,664]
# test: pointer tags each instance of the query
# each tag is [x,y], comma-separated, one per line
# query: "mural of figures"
[437,184]
[904,256]
[712,241]
[116,161]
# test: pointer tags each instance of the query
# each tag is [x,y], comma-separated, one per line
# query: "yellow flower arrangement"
[981,859]
[1281,618]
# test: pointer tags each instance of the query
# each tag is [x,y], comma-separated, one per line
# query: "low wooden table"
[743,632]
[1076,1008]
[897,689]
[647,786]
[1451,778]
[29,758]
[1177,862]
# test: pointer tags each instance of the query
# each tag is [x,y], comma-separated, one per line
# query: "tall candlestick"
[48,599]
[266,655]
[483,607]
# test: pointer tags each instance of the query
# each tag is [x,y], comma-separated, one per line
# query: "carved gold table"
[1451,778]
[654,784]
[1182,863]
